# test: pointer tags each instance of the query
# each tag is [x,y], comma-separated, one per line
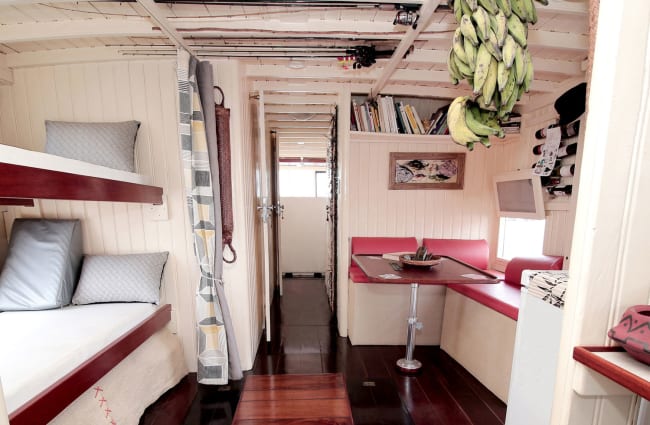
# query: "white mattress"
[46,161]
[39,347]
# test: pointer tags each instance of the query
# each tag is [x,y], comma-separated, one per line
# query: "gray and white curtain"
[218,358]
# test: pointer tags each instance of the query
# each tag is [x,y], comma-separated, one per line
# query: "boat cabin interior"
[430,191]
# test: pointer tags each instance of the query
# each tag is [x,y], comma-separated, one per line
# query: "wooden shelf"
[615,364]
[365,136]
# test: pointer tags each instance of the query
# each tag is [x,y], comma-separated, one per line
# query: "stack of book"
[385,115]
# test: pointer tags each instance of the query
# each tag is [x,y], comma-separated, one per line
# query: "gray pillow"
[42,266]
[110,144]
[120,278]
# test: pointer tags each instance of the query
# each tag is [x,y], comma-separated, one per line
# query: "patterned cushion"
[110,144]
[42,266]
[120,278]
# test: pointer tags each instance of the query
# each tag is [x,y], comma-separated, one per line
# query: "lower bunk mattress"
[41,347]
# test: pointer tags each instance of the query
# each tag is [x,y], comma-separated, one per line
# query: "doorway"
[302,136]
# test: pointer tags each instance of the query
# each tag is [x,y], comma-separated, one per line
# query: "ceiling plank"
[426,12]
[335,73]
[298,108]
[285,99]
[293,118]
[77,55]
[544,65]
[6,74]
[87,28]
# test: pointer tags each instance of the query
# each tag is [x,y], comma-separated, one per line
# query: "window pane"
[297,182]
[520,237]
[322,184]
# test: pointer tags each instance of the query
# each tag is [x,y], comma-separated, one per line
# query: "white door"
[264,208]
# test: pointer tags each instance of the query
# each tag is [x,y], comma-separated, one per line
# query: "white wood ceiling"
[280,45]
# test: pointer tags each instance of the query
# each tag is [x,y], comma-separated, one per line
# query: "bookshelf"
[398,115]
[365,136]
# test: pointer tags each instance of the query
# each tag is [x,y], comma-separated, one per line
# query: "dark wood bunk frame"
[53,400]
[20,184]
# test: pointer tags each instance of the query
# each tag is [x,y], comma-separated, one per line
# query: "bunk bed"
[59,380]
[27,175]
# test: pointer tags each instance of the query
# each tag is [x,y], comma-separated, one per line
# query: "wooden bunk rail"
[53,400]
[18,181]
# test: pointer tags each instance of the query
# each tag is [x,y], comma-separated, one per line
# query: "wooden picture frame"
[426,170]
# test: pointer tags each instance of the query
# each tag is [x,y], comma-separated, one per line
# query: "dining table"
[449,271]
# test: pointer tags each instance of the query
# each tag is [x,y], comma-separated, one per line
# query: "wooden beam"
[159,17]
[87,28]
[426,12]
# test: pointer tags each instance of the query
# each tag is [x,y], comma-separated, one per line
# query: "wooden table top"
[449,271]
[294,399]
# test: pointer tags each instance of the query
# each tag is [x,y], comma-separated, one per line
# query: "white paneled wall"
[145,91]
[377,211]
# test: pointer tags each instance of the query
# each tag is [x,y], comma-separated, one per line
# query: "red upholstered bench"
[505,296]
[377,245]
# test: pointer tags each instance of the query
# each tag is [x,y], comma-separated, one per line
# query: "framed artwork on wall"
[426,170]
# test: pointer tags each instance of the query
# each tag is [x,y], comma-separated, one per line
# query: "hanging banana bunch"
[489,50]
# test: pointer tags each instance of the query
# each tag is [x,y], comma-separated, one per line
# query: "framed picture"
[426,170]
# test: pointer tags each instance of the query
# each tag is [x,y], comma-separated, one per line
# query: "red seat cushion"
[382,245]
[519,264]
[504,297]
[500,297]
[471,251]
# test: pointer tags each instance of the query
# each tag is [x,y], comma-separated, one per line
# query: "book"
[418,121]
[405,121]
[353,119]
[411,117]
[398,118]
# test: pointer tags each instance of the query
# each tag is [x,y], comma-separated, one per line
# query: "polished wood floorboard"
[304,341]
[318,399]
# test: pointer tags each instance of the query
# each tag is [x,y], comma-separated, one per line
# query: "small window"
[322,184]
[520,237]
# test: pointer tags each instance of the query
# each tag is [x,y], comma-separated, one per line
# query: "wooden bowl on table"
[407,260]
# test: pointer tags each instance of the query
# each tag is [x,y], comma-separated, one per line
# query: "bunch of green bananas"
[489,49]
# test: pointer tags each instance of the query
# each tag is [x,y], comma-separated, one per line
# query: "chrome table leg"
[408,364]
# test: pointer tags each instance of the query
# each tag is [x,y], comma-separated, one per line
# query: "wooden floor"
[304,341]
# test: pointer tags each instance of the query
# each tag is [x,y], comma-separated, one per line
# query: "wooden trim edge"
[632,382]
[54,399]
[20,181]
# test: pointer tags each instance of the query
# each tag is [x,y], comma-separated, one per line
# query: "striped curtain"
[211,333]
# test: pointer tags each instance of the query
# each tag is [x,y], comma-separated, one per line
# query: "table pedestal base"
[408,364]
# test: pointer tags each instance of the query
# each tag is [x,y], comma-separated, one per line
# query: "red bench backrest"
[471,251]
[382,244]
[519,264]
